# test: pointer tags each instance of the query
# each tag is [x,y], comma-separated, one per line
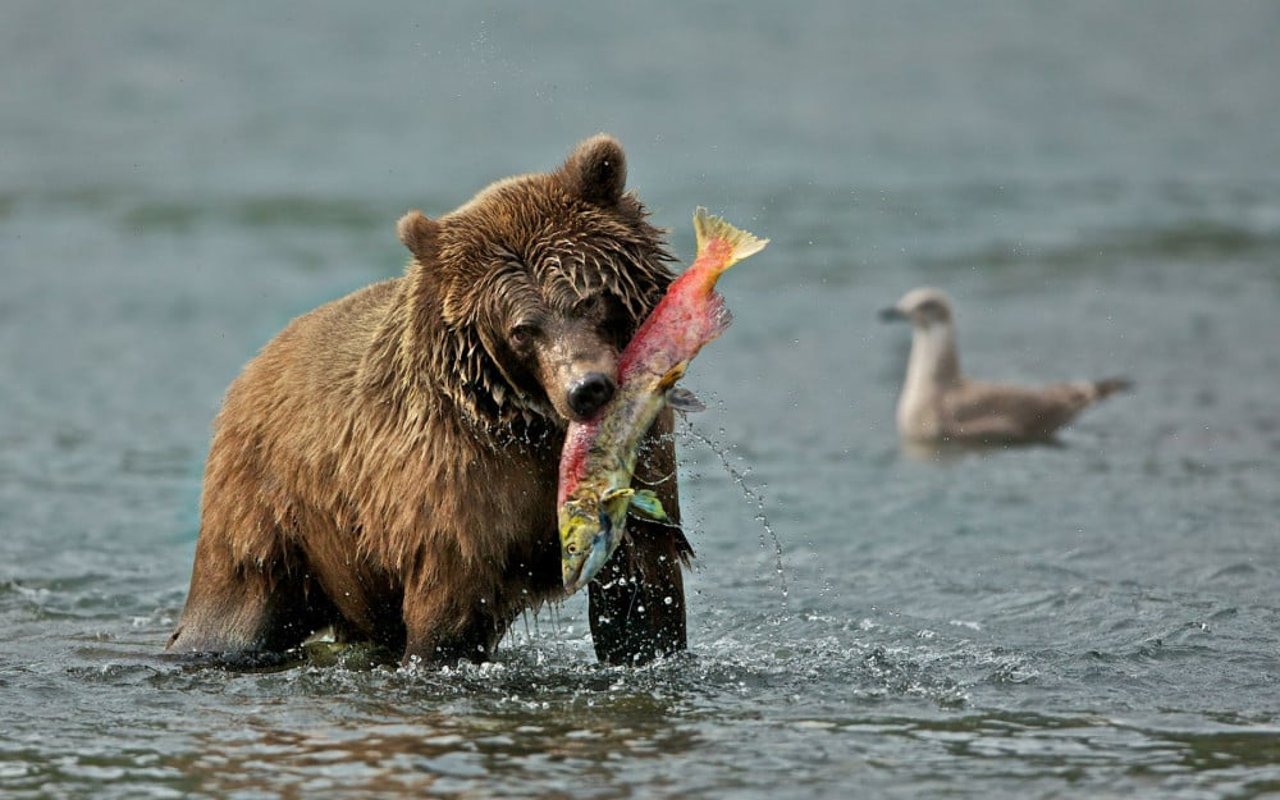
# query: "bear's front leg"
[238,610]
[440,630]
[637,600]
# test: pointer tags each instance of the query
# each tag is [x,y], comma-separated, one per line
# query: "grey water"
[1096,184]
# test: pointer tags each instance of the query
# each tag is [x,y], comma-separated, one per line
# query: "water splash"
[767,533]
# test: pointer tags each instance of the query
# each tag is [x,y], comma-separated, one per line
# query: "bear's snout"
[591,394]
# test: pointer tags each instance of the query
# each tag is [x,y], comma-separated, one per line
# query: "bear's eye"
[617,324]
[522,335]
[590,306]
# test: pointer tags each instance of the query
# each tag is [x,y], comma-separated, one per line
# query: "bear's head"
[524,297]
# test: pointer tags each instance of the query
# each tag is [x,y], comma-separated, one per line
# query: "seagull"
[939,404]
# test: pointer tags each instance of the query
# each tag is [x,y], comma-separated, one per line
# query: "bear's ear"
[597,170]
[420,234]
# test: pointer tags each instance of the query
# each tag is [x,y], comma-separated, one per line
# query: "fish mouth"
[891,314]
[581,572]
[579,569]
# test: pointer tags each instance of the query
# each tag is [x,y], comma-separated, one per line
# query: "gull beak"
[892,314]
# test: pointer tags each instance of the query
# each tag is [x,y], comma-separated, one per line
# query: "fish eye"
[573,549]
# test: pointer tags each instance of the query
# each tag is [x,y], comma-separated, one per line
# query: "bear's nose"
[590,394]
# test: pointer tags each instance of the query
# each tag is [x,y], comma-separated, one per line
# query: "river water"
[1096,184]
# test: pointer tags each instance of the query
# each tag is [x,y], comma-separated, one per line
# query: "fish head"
[591,528]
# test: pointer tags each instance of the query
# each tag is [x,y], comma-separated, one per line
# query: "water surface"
[1096,186]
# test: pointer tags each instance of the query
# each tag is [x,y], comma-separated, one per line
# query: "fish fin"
[616,501]
[668,381]
[708,228]
[719,318]
[648,505]
[684,400]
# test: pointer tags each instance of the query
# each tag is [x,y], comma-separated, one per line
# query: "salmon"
[599,456]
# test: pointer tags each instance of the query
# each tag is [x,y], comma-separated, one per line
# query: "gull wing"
[995,413]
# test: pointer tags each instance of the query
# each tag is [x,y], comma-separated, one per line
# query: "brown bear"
[387,465]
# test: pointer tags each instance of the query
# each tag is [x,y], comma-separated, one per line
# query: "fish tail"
[710,228]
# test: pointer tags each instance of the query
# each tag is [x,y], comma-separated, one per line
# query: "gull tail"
[711,229]
[1109,386]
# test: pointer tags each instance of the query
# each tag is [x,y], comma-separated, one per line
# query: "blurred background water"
[1096,184]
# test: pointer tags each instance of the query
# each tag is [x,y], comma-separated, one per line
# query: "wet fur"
[387,464]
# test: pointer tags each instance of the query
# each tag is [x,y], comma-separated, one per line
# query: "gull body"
[939,404]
